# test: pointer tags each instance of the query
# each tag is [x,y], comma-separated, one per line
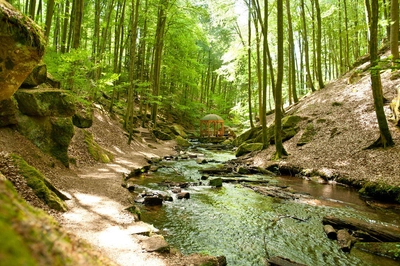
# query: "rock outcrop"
[22,47]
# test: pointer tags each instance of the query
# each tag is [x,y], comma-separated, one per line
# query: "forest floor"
[345,122]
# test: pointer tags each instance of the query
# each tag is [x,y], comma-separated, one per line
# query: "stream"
[245,226]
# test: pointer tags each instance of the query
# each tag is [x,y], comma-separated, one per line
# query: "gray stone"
[152,201]
[155,243]
[183,195]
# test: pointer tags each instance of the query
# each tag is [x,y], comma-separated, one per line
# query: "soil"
[342,113]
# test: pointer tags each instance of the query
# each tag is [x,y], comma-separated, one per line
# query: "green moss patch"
[381,191]
[37,182]
[96,151]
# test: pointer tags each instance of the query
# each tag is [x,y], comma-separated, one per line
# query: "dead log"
[344,240]
[280,261]
[378,232]
[330,231]
[386,249]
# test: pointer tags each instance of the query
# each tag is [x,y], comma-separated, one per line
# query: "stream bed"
[245,226]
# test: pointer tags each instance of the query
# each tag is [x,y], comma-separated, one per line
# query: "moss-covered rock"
[50,134]
[36,77]
[30,237]
[37,182]
[160,134]
[8,112]
[83,117]
[45,102]
[247,135]
[381,191]
[179,130]
[307,135]
[182,142]
[97,152]
[22,47]
[248,147]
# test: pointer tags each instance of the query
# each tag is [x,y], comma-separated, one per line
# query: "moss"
[36,181]
[96,151]
[31,237]
[381,191]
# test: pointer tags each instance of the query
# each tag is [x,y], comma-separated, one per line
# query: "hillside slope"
[345,123]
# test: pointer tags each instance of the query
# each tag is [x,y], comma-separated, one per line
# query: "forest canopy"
[189,58]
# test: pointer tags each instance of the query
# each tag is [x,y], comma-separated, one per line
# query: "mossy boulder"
[247,135]
[95,150]
[162,135]
[179,130]
[45,102]
[248,147]
[22,47]
[182,142]
[291,121]
[38,182]
[307,135]
[83,117]
[8,112]
[36,77]
[52,135]
[216,182]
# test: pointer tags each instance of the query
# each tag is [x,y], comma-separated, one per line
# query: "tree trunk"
[49,17]
[309,81]
[385,138]
[65,27]
[280,151]
[394,29]
[319,44]
[159,44]
[249,66]
[77,23]
[292,58]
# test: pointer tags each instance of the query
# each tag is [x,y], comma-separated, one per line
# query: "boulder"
[36,77]
[155,243]
[201,160]
[307,135]
[162,135]
[247,148]
[8,112]
[179,130]
[249,134]
[182,142]
[22,47]
[183,195]
[152,201]
[52,135]
[216,182]
[45,102]
[83,117]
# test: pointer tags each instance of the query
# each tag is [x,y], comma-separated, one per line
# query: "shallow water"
[244,226]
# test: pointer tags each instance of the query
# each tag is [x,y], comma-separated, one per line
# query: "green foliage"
[381,191]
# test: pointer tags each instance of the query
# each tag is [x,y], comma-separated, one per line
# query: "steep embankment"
[343,121]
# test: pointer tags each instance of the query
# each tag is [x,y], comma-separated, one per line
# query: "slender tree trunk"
[249,66]
[131,99]
[159,44]
[394,29]
[319,45]
[32,9]
[280,150]
[309,81]
[77,23]
[292,59]
[49,17]
[65,27]
[385,138]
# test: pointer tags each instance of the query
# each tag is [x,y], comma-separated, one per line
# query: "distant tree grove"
[187,58]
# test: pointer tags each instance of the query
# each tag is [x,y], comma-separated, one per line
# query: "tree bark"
[319,45]
[394,29]
[385,138]
[292,58]
[49,17]
[309,81]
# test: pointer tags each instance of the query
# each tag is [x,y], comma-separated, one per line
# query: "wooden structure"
[211,126]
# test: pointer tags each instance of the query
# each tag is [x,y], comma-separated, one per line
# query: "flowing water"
[245,226]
